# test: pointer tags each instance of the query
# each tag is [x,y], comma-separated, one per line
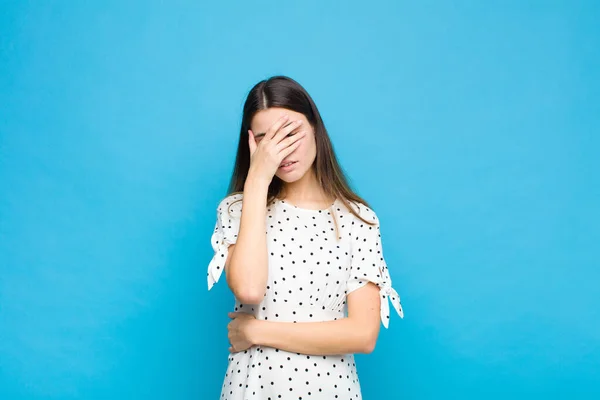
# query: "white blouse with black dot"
[311,271]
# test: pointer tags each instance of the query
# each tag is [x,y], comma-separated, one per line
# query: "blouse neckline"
[308,210]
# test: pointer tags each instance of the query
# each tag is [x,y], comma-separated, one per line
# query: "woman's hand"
[240,331]
[267,155]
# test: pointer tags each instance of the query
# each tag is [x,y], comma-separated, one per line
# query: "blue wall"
[472,127]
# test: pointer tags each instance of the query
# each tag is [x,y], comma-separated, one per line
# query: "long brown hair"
[284,92]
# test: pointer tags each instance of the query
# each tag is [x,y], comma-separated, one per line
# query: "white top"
[310,275]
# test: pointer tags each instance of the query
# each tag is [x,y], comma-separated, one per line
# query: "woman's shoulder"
[231,203]
[363,210]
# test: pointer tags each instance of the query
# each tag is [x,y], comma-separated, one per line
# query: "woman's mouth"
[287,166]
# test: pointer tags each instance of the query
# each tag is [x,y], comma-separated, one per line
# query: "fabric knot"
[217,264]
[388,293]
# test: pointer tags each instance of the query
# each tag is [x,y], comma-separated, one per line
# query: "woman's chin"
[289,177]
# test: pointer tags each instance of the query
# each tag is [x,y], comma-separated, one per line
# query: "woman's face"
[306,152]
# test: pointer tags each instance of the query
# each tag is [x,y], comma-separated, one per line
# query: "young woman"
[304,259]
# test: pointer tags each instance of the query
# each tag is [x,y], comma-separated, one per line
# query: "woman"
[304,259]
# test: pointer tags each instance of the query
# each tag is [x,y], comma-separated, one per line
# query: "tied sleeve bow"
[217,264]
[387,292]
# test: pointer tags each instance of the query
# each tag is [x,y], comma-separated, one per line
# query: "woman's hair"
[284,92]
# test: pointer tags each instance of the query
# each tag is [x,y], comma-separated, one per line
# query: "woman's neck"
[306,192]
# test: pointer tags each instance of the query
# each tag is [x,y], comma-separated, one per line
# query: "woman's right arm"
[246,267]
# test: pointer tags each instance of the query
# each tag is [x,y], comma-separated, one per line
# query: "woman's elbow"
[245,293]
[368,346]
[248,296]
[369,341]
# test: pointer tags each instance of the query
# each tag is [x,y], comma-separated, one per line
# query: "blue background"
[471,126]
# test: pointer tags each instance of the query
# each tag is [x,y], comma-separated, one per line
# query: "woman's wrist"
[255,180]
[256,190]
[255,331]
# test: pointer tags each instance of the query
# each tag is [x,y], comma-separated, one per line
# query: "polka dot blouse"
[311,271]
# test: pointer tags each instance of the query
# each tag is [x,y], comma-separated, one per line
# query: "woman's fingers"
[286,131]
[266,153]
[276,126]
[288,150]
[290,140]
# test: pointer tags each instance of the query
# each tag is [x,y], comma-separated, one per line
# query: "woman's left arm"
[356,333]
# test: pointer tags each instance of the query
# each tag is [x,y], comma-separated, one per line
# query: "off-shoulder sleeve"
[225,234]
[369,265]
